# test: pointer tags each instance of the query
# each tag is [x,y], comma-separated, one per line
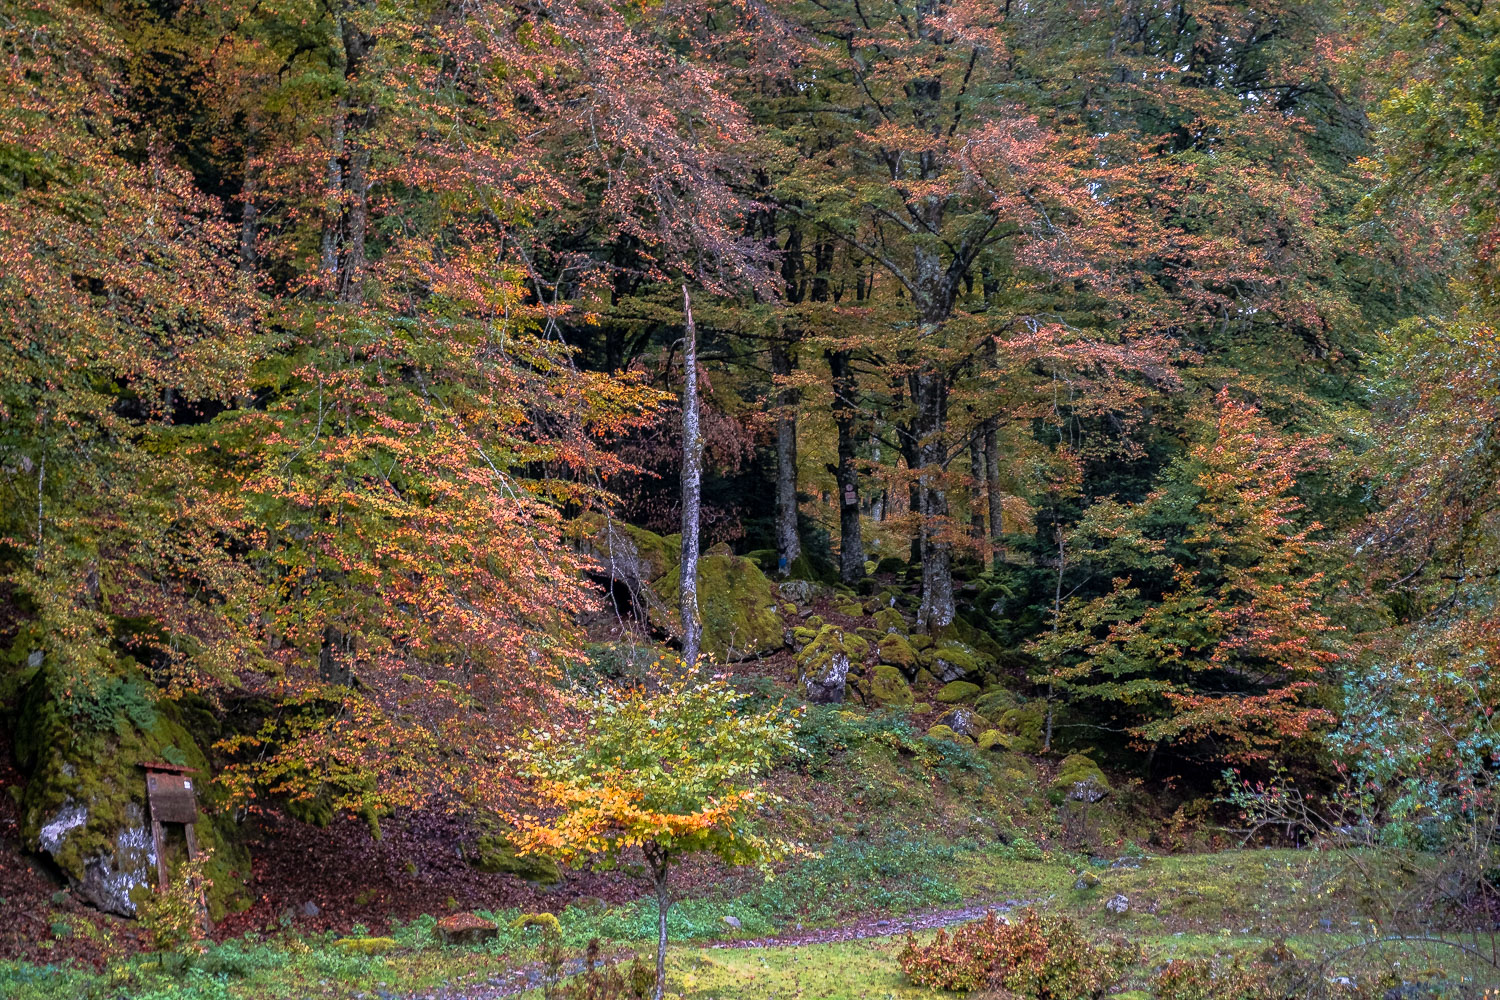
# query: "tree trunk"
[977,509]
[248,219]
[788,542]
[659,862]
[992,492]
[851,545]
[692,491]
[936,610]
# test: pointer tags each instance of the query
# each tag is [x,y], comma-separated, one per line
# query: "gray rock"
[962,721]
[310,909]
[826,686]
[1117,904]
[1087,880]
[109,876]
[733,921]
[797,591]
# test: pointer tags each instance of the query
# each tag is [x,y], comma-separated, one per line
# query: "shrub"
[1201,979]
[1037,958]
[175,917]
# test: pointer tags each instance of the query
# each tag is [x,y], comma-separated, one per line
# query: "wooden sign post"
[172,799]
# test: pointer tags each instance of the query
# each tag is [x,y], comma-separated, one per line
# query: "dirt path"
[531,976]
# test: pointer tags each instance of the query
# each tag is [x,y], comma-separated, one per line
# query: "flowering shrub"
[1037,958]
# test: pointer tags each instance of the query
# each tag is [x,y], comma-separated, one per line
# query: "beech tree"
[672,769]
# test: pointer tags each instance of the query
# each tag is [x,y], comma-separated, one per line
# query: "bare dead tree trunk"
[851,544]
[692,493]
[788,541]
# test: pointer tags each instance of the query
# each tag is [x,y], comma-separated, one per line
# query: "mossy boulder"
[891,564]
[921,642]
[737,603]
[721,549]
[963,721]
[632,555]
[824,663]
[494,854]
[992,739]
[851,609]
[800,636]
[1079,779]
[953,661]
[897,652]
[888,686]
[924,678]
[941,732]
[84,806]
[955,692]
[890,620]
[994,702]
[1024,725]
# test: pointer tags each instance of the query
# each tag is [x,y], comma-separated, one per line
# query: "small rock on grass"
[1118,904]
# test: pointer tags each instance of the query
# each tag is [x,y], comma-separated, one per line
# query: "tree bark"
[851,545]
[977,507]
[660,865]
[936,610]
[692,493]
[788,542]
[992,492]
[248,219]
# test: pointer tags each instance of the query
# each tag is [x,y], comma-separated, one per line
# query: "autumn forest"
[783,498]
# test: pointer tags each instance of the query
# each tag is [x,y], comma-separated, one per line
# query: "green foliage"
[1036,957]
[675,768]
[174,917]
[111,704]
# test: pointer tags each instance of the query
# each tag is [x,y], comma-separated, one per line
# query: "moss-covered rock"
[632,555]
[890,620]
[921,642]
[963,720]
[992,739]
[924,678]
[494,853]
[994,702]
[888,687]
[720,549]
[897,652]
[1024,725]
[801,635]
[1079,779]
[852,609]
[953,662]
[805,568]
[955,692]
[824,663]
[891,564]
[941,732]
[737,603]
[85,800]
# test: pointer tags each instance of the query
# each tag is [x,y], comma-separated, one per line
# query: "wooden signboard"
[172,799]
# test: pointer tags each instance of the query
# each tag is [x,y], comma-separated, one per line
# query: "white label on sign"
[187,783]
